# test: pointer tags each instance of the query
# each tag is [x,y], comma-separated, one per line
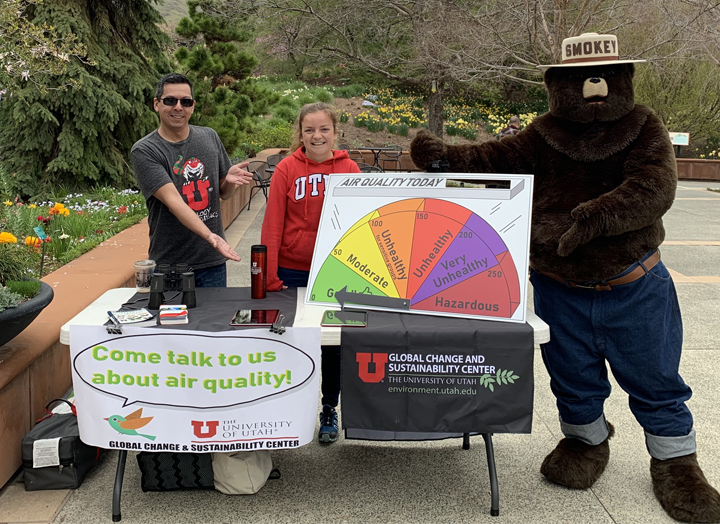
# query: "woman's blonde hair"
[305,111]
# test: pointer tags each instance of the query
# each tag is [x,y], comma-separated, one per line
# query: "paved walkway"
[438,482]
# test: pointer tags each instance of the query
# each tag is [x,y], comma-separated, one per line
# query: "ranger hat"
[590,49]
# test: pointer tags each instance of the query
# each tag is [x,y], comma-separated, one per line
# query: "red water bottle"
[258,270]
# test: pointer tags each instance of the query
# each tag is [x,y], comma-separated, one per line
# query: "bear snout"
[595,87]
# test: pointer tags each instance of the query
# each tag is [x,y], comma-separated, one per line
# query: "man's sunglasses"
[171,101]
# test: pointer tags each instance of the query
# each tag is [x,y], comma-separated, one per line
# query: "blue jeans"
[215,276]
[637,329]
[293,277]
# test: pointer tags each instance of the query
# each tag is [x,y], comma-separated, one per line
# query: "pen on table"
[113,318]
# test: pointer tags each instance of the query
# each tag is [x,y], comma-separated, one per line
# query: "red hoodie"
[292,216]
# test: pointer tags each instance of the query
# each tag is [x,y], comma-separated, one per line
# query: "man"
[513,127]
[183,172]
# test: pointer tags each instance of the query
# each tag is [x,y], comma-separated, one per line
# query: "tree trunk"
[436,122]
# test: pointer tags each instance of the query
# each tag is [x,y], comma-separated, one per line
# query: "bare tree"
[436,44]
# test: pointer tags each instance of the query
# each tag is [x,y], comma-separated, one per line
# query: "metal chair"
[274,160]
[390,157]
[367,168]
[354,155]
[261,178]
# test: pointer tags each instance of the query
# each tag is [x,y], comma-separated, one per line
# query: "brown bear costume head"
[602,93]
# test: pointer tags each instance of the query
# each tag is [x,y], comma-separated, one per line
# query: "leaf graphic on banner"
[500,378]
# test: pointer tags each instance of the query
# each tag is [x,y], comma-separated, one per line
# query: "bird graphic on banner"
[130,424]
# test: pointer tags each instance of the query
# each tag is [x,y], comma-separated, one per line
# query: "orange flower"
[59,209]
[122,209]
[32,241]
[7,238]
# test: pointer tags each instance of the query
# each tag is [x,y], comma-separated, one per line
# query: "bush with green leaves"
[16,260]
[220,69]
[263,138]
[81,136]
[350,91]
[24,288]
[9,299]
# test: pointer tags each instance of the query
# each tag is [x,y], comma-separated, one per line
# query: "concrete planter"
[696,169]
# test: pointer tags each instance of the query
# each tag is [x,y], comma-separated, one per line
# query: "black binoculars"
[169,278]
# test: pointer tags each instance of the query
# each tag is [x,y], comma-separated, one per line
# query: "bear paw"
[683,491]
[575,464]
[578,235]
[425,149]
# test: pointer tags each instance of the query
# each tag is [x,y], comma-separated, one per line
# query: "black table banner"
[216,306]
[419,373]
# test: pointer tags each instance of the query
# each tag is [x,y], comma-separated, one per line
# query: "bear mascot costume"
[604,175]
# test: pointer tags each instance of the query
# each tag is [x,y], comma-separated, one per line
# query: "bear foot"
[683,491]
[575,464]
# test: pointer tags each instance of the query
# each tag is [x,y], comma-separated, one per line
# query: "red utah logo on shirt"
[195,184]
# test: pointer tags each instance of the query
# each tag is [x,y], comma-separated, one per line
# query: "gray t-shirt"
[196,166]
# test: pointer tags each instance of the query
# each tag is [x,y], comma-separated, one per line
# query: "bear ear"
[548,75]
[630,68]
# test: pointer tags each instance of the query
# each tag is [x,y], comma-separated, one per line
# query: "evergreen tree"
[220,70]
[81,136]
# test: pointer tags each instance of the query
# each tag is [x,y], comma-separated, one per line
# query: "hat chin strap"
[595,86]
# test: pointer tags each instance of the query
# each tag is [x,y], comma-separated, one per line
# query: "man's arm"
[169,196]
[236,176]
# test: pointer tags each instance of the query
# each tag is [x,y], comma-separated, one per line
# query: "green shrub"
[8,299]
[360,120]
[344,117]
[306,98]
[323,95]
[270,137]
[286,101]
[14,262]
[276,122]
[353,90]
[25,288]
[285,113]
[403,129]
[374,125]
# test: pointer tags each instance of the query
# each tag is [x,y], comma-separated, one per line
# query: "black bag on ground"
[163,471]
[76,458]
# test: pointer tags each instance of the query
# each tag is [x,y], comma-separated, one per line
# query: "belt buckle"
[597,285]
[583,286]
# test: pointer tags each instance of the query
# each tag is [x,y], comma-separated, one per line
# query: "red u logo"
[202,190]
[211,428]
[364,359]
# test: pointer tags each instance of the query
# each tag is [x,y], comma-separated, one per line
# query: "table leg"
[466,441]
[117,490]
[494,493]
[377,158]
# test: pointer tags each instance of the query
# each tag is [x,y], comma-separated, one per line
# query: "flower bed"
[397,113]
[68,227]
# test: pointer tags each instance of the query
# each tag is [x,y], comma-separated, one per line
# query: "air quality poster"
[438,244]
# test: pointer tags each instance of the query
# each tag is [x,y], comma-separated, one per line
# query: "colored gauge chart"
[423,254]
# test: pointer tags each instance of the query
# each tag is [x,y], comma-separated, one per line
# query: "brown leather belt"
[636,273]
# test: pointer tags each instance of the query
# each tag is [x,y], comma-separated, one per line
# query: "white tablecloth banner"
[152,389]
